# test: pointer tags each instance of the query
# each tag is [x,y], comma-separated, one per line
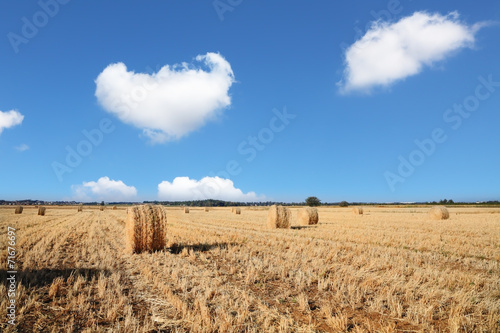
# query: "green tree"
[343,204]
[313,201]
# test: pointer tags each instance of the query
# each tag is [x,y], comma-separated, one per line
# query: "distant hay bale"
[233,209]
[206,209]
[101,208]
[115,208]
[146,228]
[19,210]
[439,213]
[80,208]
[237,210]
[357,210]
[308,216]
[41,211]
[186,210]
[278,217]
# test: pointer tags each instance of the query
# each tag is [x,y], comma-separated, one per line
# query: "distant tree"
[102,203]
[450,202]
[343,204]
[313,201]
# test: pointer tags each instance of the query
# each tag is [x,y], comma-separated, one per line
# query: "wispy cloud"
[171,103]
[22,147]
[389,52]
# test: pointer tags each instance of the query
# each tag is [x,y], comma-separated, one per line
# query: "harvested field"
[394,269]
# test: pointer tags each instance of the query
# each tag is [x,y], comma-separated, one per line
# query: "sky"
[375,101]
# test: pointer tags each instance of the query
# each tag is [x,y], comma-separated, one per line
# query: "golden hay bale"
[308,216]
[278,217]
[115,208]
[101,208]
[80,208]
[41,211]
[237,210]
[439,213]
[357,210]
[232,209]
[186,210]
[206,209]
[19,210]
[146,228]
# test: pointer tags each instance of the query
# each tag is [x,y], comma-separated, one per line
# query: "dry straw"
[206,209]
[357,210]
[439,213]
[146,228]
[41,211]
[80,208]
[233,209]
[278,217]
[19,209]
[186,210]
[237,210]
[101,208]
[308,216]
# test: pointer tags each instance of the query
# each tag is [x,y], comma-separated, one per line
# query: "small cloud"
[390,52]
[104,189]
[171,103]
[22,147]
[184,188]
[10,119]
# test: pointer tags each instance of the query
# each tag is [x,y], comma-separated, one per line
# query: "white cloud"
[104,189]
[391,52]
[183,188]
[9,119]
[171,103]
[22,147]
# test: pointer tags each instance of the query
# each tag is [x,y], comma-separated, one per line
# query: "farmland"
[390,269]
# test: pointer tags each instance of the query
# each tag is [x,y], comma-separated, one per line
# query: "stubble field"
[392,269]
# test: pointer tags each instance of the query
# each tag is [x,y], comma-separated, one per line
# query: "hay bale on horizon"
[146,228]
[357,210]
[115,208]
[232,209]
[206,209]
[308,216]
[80,208]
[41,211]
[439,213]
[19,210]
[237,210]
[278,217]
[186,210]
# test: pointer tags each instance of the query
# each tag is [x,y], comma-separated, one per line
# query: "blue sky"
[357,95]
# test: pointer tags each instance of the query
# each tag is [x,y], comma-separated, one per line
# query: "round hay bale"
[186,210]
[115,208]
[278,217]
[308,216]
[146,228]
[19,210]
[80,208]
[439,213]
[232,209]
[41,211]
[206,209]
[101,208]
[357,210]
[237,210]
